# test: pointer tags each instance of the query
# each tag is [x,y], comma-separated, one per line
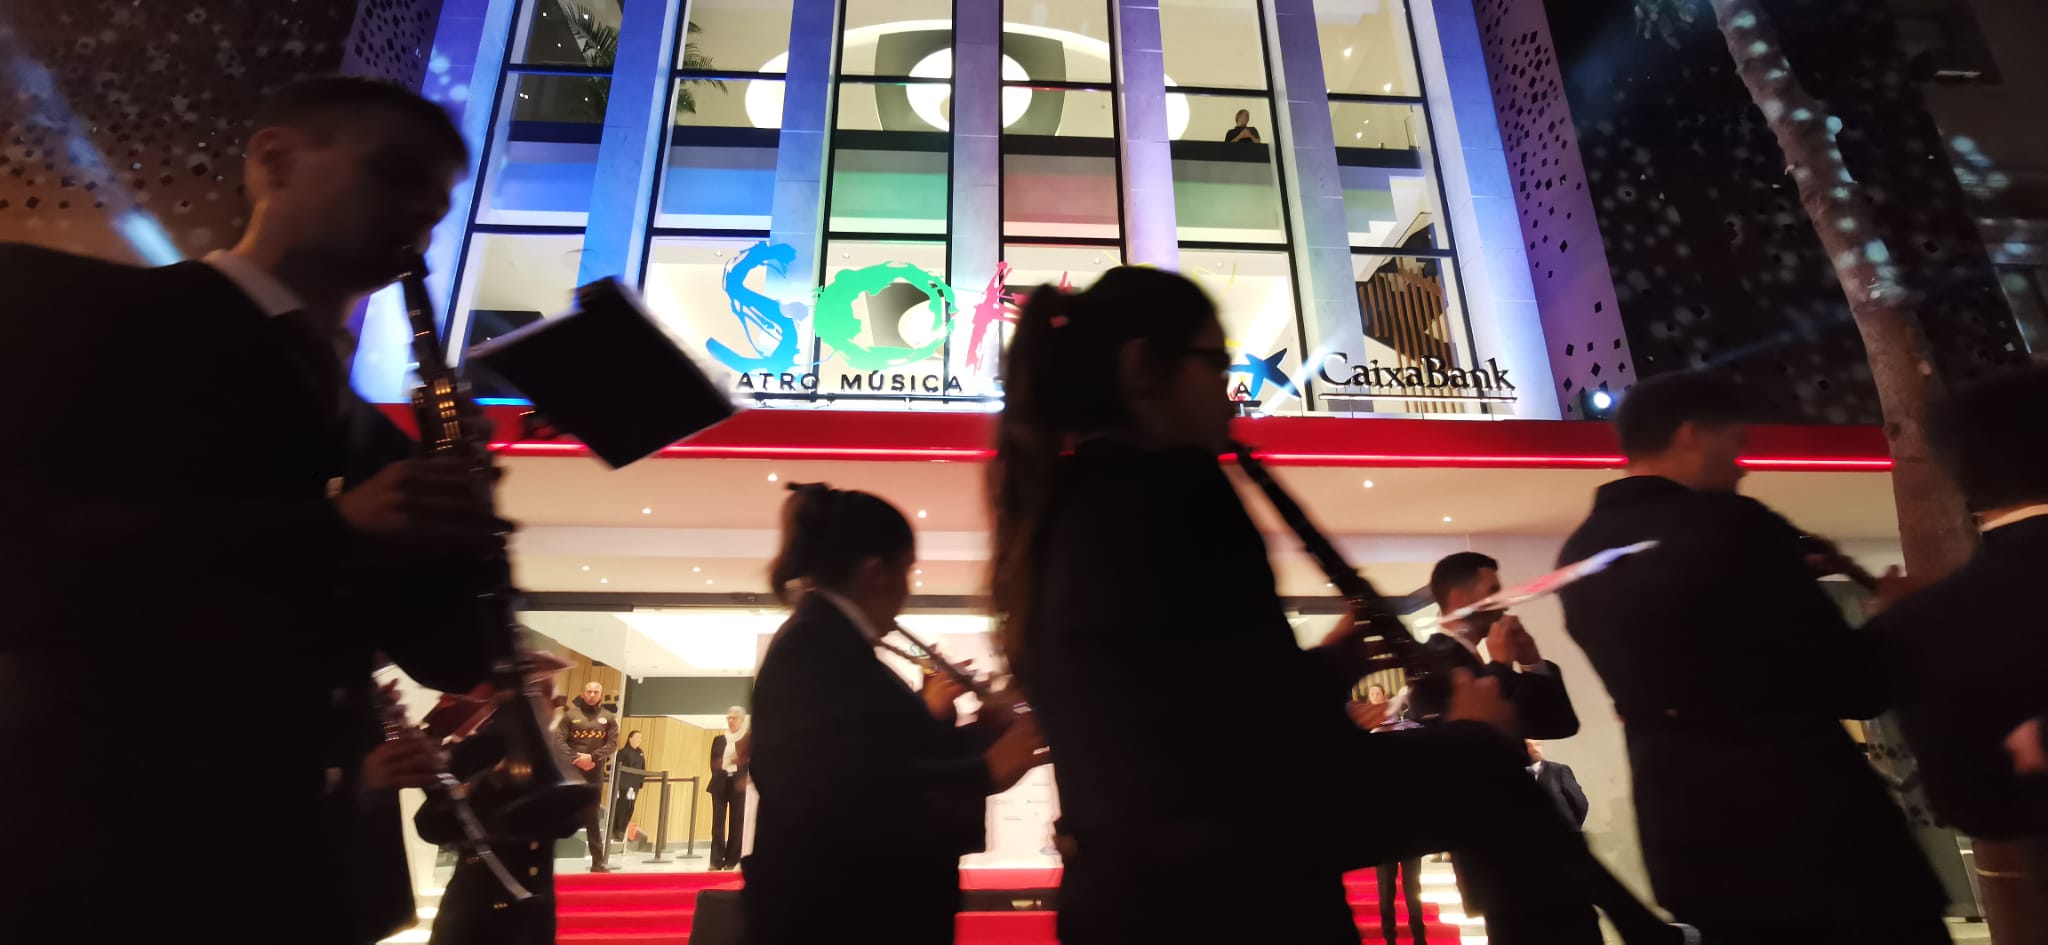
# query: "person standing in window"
[628,784]
[1243,130]
[728,789]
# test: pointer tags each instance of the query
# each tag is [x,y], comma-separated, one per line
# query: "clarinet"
[548,802]
[449,793]
[1388,642]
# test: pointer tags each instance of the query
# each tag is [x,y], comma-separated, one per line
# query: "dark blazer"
[721,781]
[1542,706]
[1971,664]
[168,527]
[850,767]
[630,757]
[1731,670]
[1562,786]
[1152,595]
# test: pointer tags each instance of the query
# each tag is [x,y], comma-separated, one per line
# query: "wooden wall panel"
[682,750]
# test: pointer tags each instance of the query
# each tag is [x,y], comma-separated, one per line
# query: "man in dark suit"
[1731,670]
[1532,684]
[728,790]
[1558,781]
[191,570]
[1534,687]
[1970,661]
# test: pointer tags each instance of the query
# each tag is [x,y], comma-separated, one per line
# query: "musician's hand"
[1367,715]
[1018,750]
[1479,700]
[423,504]
[939,693]
[1509,642]
[2024,745]
[1893,585]
[408,761]
[584,761]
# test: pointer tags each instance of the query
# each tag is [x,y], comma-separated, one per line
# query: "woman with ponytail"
[1190,728]
[868,798]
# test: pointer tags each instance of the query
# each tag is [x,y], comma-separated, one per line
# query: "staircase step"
[623,938]
[591,919]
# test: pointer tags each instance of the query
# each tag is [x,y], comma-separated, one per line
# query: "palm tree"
[1936,532]
[598,41]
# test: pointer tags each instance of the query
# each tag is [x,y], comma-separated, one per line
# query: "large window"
[883,314]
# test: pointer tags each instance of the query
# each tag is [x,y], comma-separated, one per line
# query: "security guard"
[590,735]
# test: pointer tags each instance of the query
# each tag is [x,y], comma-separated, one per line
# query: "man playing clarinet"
[170,530]
[1761,821]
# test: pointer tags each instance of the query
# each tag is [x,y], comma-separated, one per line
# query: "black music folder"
[609,375]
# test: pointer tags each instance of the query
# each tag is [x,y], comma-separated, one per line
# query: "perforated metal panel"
[122,121]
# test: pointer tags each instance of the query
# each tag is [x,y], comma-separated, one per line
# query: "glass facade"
[806,220]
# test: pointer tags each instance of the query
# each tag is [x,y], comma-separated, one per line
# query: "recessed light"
[696,570]
[1389,87]
[707,580]
[586,567]
[1447,519]
[774,478]
[1347,52]
[604,580]
[1368,121]
[920,513]
[919,571]
[1368,483]
[920,584]
[1359,134]
[647,511]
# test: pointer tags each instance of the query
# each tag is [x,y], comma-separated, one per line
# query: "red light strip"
[1377,460]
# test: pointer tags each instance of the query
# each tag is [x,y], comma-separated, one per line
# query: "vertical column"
[462,75]
[629,153]
[1150,228]
[1479,196]
[1321,237]
[975,221]
[797,216]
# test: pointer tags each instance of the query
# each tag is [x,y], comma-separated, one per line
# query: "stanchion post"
[661,829]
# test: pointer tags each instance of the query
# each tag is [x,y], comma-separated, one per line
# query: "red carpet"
[657,908]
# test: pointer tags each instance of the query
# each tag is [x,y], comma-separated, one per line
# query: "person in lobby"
[867,801]
[1970,663]
[1242,132]
[1531,683]
[1560,784]
[627,783]
[728,789]
[1731,670]
[1128,575]
[259,581]
[589,733]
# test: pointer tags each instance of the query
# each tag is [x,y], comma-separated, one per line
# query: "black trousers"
[728,822]
[593,824]
[1411,892]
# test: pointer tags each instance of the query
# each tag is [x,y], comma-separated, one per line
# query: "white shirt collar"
[859,620]
[2020,514]
[262,288]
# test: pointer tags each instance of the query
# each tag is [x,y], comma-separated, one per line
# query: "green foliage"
[599,44]
[1667,20]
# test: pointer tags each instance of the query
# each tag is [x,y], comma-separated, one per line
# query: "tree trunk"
[1935,529]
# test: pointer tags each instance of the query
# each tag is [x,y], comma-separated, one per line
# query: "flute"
[931,658]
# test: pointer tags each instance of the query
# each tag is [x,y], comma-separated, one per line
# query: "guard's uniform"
[589,729]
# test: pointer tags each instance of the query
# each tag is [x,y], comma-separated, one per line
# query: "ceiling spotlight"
[1447,519]
[604,580]
[1389,87]
[647,511]
[774,478]
[1359,134]
[920,584]
[696,570]
[586,567]
[918,571]
[707,580]
[1368,483]
[1347,52]
[920,513]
